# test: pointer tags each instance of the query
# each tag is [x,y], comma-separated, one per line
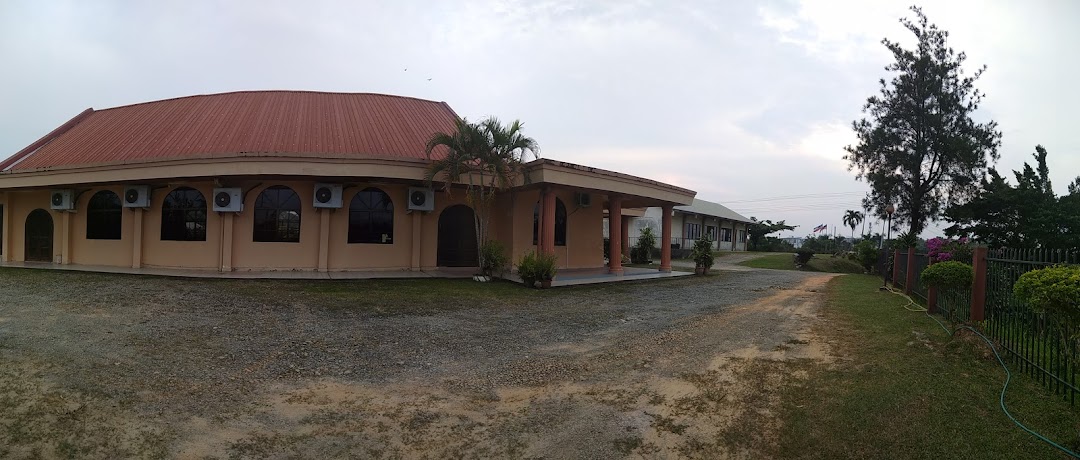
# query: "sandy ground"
[653,370]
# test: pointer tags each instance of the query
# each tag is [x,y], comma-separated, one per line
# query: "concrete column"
[547,231]
[228,220]
[65,238]
[417,241]
[625,233]
[324,239]
[978,284]
[615,232]
[136,237]
[665,238]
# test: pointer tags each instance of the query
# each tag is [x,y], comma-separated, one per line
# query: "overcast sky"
[741,101]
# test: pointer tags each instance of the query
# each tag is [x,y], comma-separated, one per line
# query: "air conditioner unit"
[421,199]
[327,196]
[137,196]
[584,200]
[62,200]
[228,199]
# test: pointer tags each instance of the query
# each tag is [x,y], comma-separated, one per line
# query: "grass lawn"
[906,389]
[819,263]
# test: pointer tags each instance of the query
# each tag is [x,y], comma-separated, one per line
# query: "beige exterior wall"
[114,253]
[204,255]
[414,243]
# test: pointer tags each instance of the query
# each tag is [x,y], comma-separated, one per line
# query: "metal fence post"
[910,281]
[978,284]
[931,291]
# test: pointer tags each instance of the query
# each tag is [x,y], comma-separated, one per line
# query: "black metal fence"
[1038,343]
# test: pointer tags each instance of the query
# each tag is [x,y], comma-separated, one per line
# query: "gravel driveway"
[105,366]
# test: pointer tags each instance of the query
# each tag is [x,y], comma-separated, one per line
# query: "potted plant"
[546,267]
[641,253]
[494,262]
[702,255]
[527,269]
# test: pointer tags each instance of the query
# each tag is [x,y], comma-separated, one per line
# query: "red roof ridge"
[30,149]
[275,91]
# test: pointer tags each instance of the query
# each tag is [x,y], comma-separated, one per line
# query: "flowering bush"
[942,249]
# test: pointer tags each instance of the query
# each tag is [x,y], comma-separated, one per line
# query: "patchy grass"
[819,263]
[906,389]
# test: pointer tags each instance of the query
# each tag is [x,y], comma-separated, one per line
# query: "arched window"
[183,215]
[103,216]
[560,222]
[277,215]
[371,217]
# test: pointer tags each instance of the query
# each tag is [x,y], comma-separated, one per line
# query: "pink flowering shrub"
[942,249]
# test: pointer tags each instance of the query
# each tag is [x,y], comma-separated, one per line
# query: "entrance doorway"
[457,237]
[39,236]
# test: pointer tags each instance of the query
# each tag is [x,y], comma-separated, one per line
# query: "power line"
[797,197]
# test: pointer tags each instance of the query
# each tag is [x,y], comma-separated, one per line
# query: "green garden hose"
[1008,375]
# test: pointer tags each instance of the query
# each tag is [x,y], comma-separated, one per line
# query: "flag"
[820,228]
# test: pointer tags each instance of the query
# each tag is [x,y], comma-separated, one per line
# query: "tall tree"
[1027,215]
[918,147]
[757,230]
[853,218]
[487,157]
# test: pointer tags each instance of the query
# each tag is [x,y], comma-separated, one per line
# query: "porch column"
[136,237]
[615,239]
[547,229]
[625,232]
[417,241]
[227,219]
[324,240]
[65,243]
[665,238]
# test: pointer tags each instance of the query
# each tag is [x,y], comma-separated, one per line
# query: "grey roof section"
[709,208]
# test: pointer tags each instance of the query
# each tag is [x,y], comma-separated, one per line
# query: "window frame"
[269,211]
[189,216]
[106,221]
[355,236]
[692,231]
[725,234]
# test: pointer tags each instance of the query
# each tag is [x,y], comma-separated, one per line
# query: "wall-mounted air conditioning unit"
[421,199]
[137,196]
[583,200]
[228,199]
[327,196]
[62,200]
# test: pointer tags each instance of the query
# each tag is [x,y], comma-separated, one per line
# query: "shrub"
[642,251]
[495,258]
[1052,289]
[904,241]
[803,256]
[942,249]
[950,275]
[867,254]
[702,253]
[528,269]
[547,265]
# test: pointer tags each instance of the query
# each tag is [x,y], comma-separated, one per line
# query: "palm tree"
[852,219]
[489,156]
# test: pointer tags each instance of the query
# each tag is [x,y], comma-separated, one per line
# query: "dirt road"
[107,366]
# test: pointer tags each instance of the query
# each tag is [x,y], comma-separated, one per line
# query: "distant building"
[726,228]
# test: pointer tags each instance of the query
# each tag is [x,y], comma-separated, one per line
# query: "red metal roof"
[249,123]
